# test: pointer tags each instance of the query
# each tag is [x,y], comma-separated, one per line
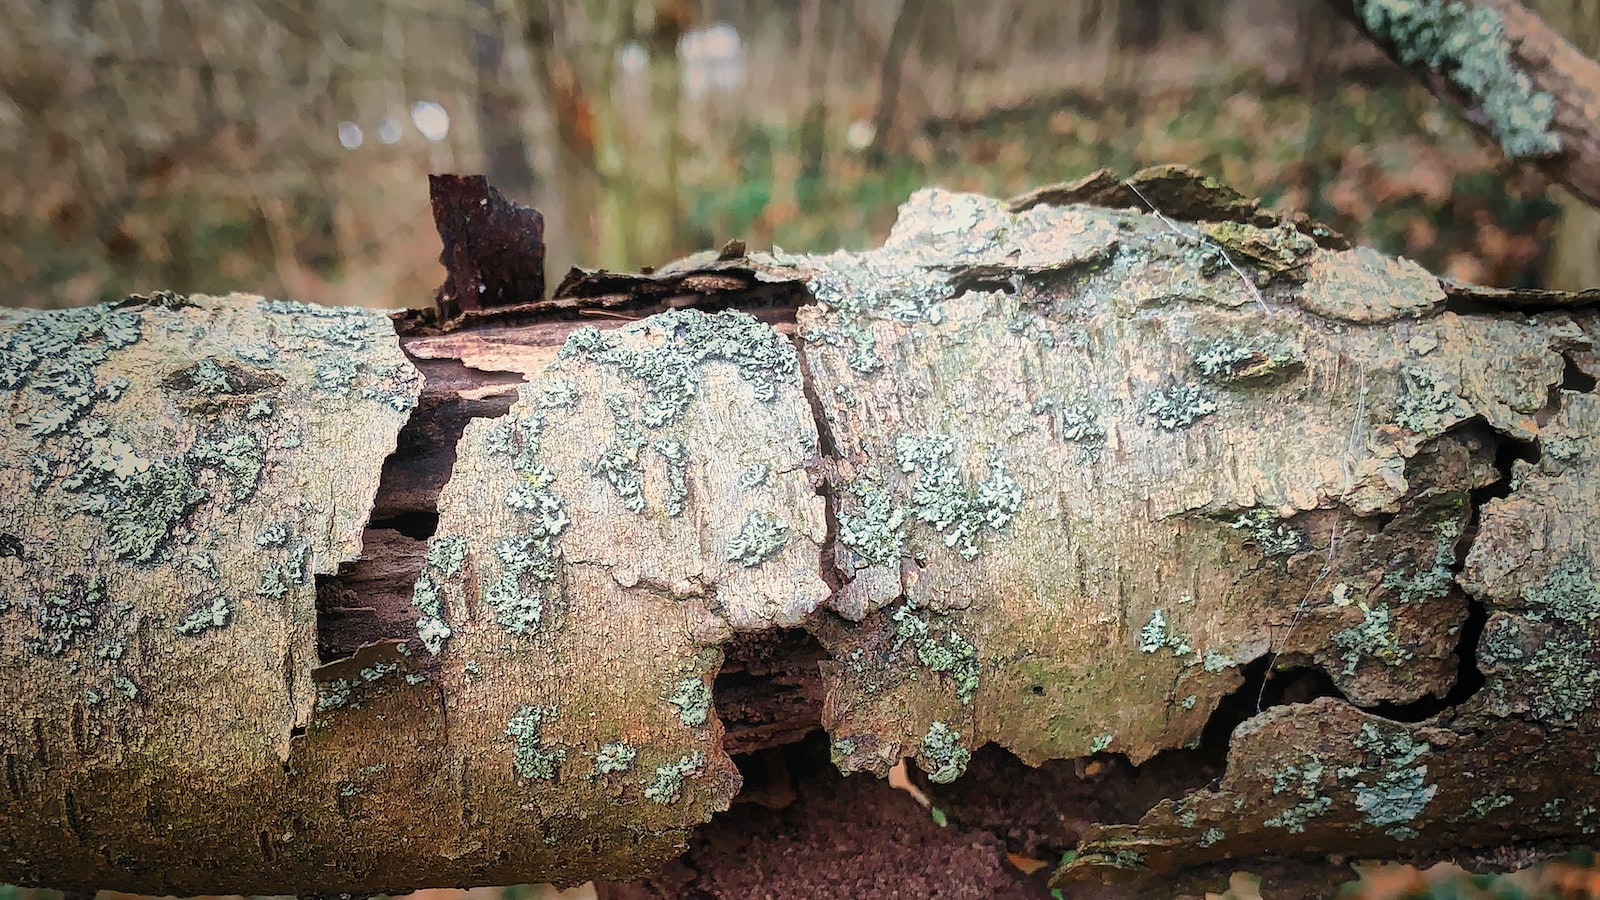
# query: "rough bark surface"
[178,469]
[1067,479]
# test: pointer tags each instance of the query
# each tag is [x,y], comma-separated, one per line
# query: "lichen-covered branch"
[1044,474]
[1509,73]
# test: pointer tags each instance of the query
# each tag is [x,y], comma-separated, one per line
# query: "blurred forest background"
[281,146]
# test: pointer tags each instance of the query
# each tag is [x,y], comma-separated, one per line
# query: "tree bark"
[1511,75]
[1082,482]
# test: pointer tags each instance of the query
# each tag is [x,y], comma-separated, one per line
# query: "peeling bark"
[1064,478]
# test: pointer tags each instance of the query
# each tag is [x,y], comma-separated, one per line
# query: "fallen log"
[302,600]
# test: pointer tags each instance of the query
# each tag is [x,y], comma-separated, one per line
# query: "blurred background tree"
[281,146]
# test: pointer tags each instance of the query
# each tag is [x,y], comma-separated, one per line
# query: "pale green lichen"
[1567,594]
[1154,636]
[239,456]
[613,758]
[67,615]
[379,671]
[518,593]
[760,538]
[1304,782]
[1488,803]
[555,393]
[1074,422]
[213,616]
[876,530]
[755,476]
[1235,358]
[947,652]
[941,498]
[288,567]
[1432,578]
[1211,836]
[1562,679]
[619,464]
[676,456]
[333,694]
[1399,792]
[942,750]
[517,609]
[1468,44]
[141,501]
[1375,637]
[1101,743]
[1214,662]
[1178,406]
[530,759]
[668,370]
[1269,532]
[1077,422]
[668,782]
[55,355]
[693,700]
[446,554]
[1427,405]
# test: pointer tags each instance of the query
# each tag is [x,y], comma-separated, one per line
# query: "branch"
[1512,77]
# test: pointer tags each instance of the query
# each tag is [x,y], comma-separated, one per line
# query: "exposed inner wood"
[769,691]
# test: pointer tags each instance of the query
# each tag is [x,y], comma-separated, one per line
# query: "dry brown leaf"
[1027,865]
[900,778]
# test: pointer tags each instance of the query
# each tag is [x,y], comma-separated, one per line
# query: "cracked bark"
[1048,476]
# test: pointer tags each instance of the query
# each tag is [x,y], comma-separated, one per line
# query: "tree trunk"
[1073,479]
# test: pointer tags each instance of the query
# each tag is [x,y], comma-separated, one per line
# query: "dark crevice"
[1468,678]
[13,780]
[1507,453]
[425,450]
[418,525]
[768,691]
[368,599]
[828,452]
[1575,379]
[69,805]
[977,279]
[1267,683]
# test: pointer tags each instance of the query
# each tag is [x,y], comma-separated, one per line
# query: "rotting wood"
[1055,478]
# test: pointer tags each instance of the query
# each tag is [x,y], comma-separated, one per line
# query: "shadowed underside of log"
[1046,475]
